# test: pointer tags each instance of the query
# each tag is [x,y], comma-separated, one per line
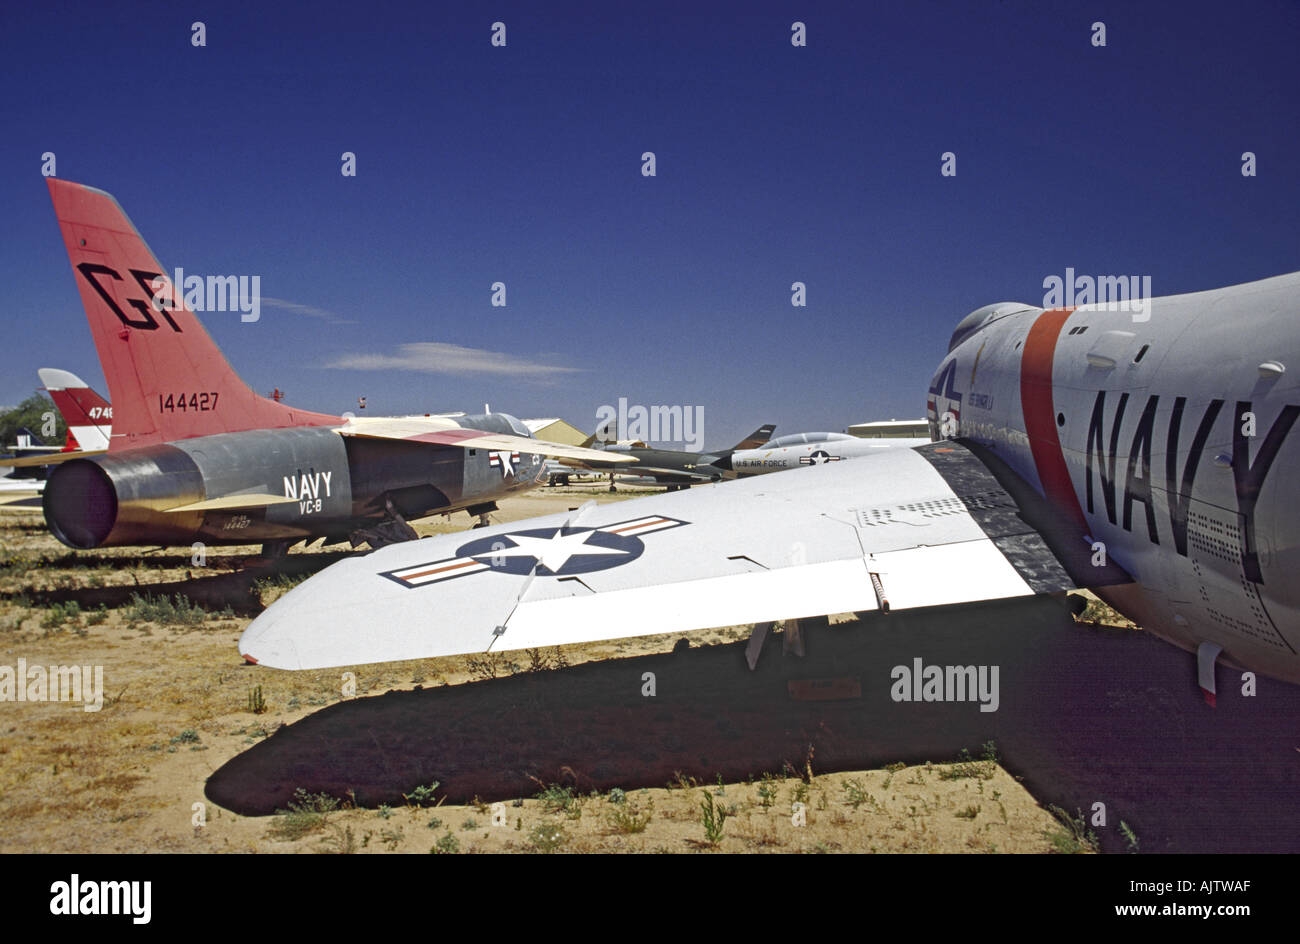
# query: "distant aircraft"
[195,455]
[675,468]
[88,416]
[1144,452]
[22,479]
[799,450]
[18,492]
[27,443]
[22,472]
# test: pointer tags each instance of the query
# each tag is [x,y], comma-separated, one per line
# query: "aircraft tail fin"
[166,378]
[607,433]
[26,439]
[87,415]
[756,438]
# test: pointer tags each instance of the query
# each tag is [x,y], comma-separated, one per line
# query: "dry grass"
[131,777]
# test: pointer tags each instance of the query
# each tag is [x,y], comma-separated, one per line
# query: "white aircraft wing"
[899,529]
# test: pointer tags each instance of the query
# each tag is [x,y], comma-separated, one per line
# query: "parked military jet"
[21,487]
[675,468]
[799,450]
[1147,457]
[195,455]
[22,475]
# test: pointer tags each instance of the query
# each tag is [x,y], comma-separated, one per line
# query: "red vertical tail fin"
[87,415]
[166,378]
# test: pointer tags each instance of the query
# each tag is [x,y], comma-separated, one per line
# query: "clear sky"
[523,164]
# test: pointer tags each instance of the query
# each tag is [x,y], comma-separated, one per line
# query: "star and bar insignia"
[818,457]
[505,461]
[550,552]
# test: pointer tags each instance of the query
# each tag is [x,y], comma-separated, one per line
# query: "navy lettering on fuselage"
[1180,493]
[1248,476]
[1137,478]
[1095,440]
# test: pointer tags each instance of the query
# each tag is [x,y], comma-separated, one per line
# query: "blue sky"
[522,165]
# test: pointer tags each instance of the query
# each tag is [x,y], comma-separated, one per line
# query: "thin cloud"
[309,311]
[436,357]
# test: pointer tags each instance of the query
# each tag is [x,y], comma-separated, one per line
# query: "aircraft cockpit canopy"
[495,423]
[799,439]
[984,316]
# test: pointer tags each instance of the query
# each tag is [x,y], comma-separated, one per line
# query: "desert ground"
[540,751]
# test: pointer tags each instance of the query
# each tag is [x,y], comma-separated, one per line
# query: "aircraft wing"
[899,529]
[435,432]
[52,458]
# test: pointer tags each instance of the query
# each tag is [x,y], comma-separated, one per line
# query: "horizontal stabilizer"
[52,458]
[231,502]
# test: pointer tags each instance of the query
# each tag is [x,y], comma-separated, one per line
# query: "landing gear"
[274,550]
[611,483]
[272,553]
[393,529]
[482,512]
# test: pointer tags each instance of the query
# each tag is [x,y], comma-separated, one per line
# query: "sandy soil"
[194,751]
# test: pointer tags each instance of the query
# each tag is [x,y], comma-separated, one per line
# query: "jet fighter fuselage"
[1162,437]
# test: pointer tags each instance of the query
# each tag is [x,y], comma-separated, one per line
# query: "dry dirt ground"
[194,751]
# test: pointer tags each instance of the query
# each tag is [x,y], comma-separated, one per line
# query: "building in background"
[889,429]
[557,431]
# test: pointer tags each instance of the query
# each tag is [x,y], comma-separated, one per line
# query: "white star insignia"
[553,552]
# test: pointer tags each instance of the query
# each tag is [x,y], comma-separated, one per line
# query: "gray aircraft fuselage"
[332,486]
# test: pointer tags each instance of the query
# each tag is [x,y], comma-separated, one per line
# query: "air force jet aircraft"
[674,468]
[195,455]
[1149,458]
[799,450]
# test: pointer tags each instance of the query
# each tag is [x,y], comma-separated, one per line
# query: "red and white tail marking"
[87,415]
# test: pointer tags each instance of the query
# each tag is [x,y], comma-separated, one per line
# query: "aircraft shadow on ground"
[1085,716]
[223,583]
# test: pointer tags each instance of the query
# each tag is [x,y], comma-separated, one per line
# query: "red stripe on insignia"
[638,526]
[1040,411]
[439,570]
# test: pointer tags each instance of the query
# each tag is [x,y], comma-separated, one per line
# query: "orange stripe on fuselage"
[1040,412]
